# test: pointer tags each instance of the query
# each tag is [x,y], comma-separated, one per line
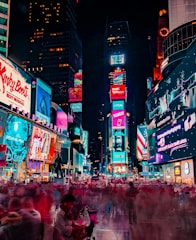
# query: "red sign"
[117,92]
[3,149]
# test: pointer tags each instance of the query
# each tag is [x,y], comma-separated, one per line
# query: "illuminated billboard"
[141,142]
[117,76]
[177,141]
[17,134]
[15,86]
[118,105]
[117,59]
[61,119]
[3,117]
[118,140]
[76,107]
[43,101]
[118,118]
[40,144]
[78,79]
[75,94]
[117,92]
[118,157]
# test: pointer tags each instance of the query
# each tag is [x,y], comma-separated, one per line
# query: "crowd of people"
[56,211]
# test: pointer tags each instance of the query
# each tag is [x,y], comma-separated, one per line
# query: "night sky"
[142,18]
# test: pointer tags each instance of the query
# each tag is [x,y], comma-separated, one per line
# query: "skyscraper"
[54,50]
[121,132]
[4,26]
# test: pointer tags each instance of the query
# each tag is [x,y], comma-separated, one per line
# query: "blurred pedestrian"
[65,221]
[131,195]
[58,166]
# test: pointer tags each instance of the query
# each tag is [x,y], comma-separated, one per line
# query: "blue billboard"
[17,134]
[43,101]
[118,105]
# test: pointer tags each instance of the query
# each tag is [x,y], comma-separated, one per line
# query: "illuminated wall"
[170,114]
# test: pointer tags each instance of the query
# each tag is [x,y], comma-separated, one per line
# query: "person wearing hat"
[65,221]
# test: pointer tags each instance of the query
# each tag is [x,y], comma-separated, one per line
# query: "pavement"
[111,229]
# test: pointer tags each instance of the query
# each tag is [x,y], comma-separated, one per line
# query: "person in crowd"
[2,213]
[131,195]
[58,166]
[65,221]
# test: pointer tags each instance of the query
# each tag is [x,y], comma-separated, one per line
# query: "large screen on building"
[119,157]
[117,92]
[15,86]
[43,101]
[39,144]
[61,119]
[177,141]
[118,118]
[117,59]
[17,134]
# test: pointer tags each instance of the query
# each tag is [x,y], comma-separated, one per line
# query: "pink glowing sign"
[118,118]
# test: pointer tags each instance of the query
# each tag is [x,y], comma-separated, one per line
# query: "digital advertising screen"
[75,94]
[3,151]
[78,79]
[177,141]
[118,118]
[172,98]
[76,107]
[118,157]
[117,76]
[17,133]
[40,144]
[118,140]
[117,92]
[61,119]
[141,142]
[3,117]
[43,101]
[51,154]
[118,105]
[15,86]
[117,59]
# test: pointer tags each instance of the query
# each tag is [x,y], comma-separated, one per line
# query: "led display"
[171,101]
[78,79]
[141,142]
[3,117]
[43,101]
[40,144]
[118,59]
[61,119]
[3,150]
[118,118]
[117,92]
[118,140]
[17,133]
[76,107]
[177,141]
[118,157]
[75,94]
[118,105]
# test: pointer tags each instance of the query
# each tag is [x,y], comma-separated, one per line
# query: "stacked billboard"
[118,95]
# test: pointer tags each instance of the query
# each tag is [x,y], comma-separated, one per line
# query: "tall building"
[54,49]
[4,26]
[120,122]
[182,26]
[171,106]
